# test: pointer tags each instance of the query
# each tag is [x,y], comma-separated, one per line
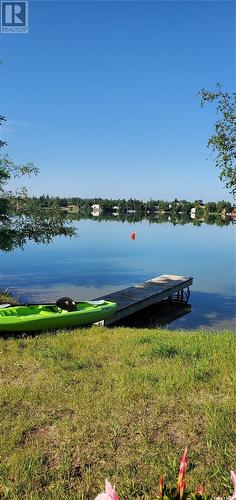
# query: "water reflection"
[157,218]
[211,311]
[161,315]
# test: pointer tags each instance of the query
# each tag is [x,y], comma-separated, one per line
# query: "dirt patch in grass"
[45,433]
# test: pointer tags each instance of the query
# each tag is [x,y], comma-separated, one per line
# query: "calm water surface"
[104,259]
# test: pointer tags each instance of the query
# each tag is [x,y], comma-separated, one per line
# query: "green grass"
[80,406]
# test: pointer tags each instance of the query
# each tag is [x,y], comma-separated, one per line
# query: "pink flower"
[182,468]
[110,493]
[184,459]
[233,477]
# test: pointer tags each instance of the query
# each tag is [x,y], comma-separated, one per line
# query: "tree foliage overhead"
[2,119]
[20,218]
[9,170]
[223,141]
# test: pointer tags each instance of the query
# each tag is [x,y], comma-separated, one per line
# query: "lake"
[103,258]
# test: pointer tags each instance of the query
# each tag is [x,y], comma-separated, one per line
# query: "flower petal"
[233,477]
[110,491]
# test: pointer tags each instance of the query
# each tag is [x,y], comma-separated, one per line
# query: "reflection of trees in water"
[156,218]
[38,225]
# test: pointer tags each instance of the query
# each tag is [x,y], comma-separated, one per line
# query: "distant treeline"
[84,205]
[40,219]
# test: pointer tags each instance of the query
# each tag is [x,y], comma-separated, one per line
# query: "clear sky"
[102,96]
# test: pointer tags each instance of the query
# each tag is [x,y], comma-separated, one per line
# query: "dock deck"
[138,297]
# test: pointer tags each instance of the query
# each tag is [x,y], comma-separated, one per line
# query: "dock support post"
[181,296]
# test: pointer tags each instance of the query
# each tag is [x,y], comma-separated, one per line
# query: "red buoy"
[132,236]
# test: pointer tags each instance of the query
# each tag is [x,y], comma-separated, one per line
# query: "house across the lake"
[193,213]
[96,209]
[115,210]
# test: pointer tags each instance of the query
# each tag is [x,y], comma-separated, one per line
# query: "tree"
[223,141]
[9,170]
[21,218]
[210,207]
[223,206]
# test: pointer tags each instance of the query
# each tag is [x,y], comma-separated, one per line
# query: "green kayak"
[33,318]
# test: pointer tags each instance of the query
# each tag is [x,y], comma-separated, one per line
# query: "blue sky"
[102,96]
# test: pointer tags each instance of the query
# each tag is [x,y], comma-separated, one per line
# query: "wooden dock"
[138,297]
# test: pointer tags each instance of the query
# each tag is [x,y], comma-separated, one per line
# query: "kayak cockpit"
[22,311]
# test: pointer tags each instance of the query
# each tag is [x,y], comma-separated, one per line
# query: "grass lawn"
[80,406]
